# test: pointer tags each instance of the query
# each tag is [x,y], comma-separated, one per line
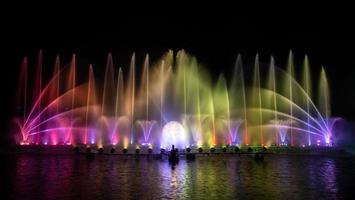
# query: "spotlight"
[150,150]
[264,149]
[137,150]
[188,149]
[76,149]
[250,149]
[101,150]
[88,149]
[224,149]
[236,149]
[200,150]
[113,150]
[124,151]
[212,149]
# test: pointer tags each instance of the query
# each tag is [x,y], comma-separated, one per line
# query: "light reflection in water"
[113,177]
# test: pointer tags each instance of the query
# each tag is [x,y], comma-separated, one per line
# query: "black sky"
[214,34]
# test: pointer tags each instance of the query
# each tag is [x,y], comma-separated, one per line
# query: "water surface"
[30,176]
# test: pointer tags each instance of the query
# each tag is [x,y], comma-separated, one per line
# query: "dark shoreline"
[290,151]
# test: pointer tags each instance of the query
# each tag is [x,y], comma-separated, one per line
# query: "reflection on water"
[112,177]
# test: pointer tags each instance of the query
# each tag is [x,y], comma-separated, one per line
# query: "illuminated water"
[29,176]
[129,107]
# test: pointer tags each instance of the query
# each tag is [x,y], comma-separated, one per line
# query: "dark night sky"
[214,34]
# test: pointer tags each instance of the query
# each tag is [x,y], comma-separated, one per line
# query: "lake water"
[30,176]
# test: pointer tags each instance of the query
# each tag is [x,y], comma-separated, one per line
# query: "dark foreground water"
[28,176]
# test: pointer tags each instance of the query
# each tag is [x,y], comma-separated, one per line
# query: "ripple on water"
[70,176]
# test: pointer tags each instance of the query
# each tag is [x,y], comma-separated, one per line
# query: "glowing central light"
[174,134]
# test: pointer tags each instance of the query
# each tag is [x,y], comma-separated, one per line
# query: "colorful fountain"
[173,101]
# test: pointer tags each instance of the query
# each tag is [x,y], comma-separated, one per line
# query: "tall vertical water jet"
[108,96]
[290,72]
[182,71]
[237,104]
[187,90]
[72,79]
[195,103]
[256,95]
[222,108]
[130,96]
[164,70]
[237,96]
[146,124]
[323,98]
[307,86]
[198,100]
[53,96]
[71,84]
[191,118]
[108,102]
[211,112]
[57,75]
[119,104]
[37,99]
[271,84]
[120,109]
[324,103]
[90,106]
[162,93]
[184,79]
[21,98]
[207,130]
[146,76]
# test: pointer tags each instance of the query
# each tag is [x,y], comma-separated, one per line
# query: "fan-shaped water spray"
[133,109]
